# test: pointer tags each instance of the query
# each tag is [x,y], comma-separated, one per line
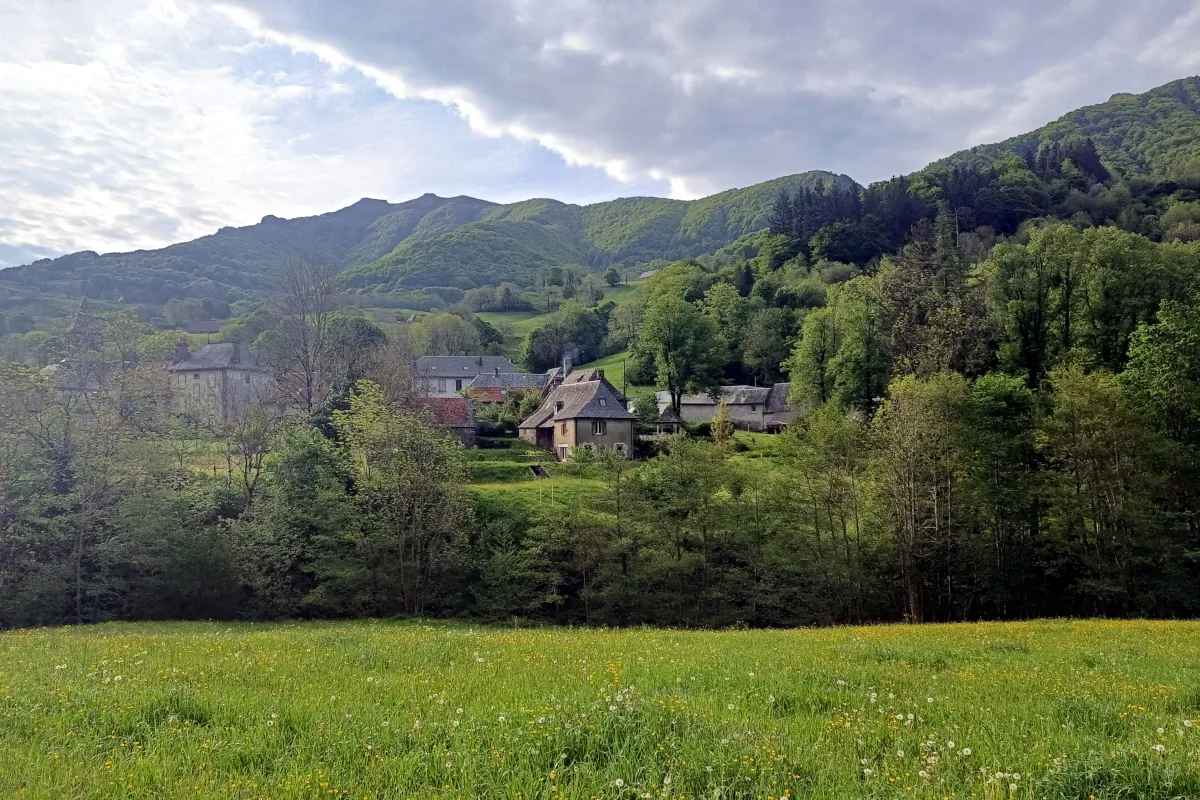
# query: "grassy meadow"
[404,709]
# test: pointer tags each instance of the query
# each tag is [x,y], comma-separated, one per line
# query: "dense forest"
[996,361]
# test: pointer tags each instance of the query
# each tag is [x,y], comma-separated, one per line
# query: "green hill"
[464,242]
[514,242]
[1146,135]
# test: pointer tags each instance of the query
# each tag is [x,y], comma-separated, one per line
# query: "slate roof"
[580,399]
[669,417]
[509,380]
[461,366]
[778,399]
[773,398]
[224,355]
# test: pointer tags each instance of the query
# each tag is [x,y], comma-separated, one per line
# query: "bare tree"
[297,348]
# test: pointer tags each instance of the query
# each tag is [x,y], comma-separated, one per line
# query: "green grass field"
[402,709]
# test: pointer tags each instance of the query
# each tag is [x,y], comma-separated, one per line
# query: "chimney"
[479,362]
[181,352]
[497,372]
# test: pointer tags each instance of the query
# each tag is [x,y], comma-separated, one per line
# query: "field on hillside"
[404,709]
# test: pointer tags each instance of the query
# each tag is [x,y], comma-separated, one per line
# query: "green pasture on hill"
[404,709]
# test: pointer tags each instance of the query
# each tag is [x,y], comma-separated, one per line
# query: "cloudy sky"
[135,123]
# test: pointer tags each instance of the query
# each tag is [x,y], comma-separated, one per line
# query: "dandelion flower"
[1158,748]
[1160,730]
[900,754]
[618,783]
[868,772]
[923,774]
[950,745]
[667,781]
[1016,776]
[966,751]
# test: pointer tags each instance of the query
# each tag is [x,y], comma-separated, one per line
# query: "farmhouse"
[585,411]
[217,382]
[753,408]
[447,376]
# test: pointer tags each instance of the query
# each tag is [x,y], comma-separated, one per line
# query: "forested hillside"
[458,242]
[1145,135]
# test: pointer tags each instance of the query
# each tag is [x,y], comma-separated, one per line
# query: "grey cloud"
[714,93]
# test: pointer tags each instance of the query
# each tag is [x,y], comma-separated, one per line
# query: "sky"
[128,124]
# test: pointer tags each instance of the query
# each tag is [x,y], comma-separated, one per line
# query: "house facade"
[455,415]
[448,376]
[585,411]
[217,382]
[752,408]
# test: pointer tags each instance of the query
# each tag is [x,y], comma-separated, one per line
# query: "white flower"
[455,723]
[479,661]
[891,696]
[1016,776]
[862,761]
[1158,748]
[1160,730]
[731,706]
[1187,723]
[501,718]
[900,754]
[841,682]
[458,711]
[868,772]
[923,774]
[417,723]
[612,708]
[966,751]
[911,717]
[270,722]
[1012,787]
[667,780]
[928,699]
[370,679]
[618,783]
[950,745]
[541,720]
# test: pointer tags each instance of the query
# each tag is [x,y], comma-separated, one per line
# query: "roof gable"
[590,399]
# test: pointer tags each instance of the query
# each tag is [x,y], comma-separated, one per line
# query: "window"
[599,427]
[753,408]
[441,384]
[621,448]
[603,402]
[558,406]
[564,429]
[196,376]
[458,385]
[563,452]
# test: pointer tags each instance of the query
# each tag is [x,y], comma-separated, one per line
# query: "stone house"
[447,376]
[751,408]
[585,411]
[218,381]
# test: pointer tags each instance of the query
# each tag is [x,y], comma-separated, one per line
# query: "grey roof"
[580,400]
[778,401]
[510,380]
[669,417]
[224,355]
[461,366]
[774,398]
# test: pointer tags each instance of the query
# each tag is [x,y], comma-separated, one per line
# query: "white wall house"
[448,376]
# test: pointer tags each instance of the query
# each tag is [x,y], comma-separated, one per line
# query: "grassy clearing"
[614,370]
[376,709]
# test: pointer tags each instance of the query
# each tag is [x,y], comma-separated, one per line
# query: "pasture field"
[405,709]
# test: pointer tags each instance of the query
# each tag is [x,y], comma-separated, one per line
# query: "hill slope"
[1145,135]
[513,242]
[465,242]
[429,241]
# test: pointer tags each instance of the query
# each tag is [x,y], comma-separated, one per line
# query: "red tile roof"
[452,411]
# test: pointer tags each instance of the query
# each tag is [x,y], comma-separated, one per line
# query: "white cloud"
[707,94]
[134,123]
